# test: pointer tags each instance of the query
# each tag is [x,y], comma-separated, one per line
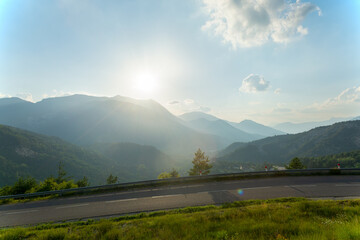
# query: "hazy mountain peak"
[12,100]
[290,127]
[256,128]
[190,116]
[248,121]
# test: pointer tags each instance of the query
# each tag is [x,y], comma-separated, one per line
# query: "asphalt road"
[118,203]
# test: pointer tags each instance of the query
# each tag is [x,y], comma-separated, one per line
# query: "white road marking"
[122,200]
[212,191]
[309,185]
[72,206]
[347,185]
[255,188]
[162,196]
[28,211]
[177,187]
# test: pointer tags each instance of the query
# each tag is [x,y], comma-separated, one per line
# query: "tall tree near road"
[201,164]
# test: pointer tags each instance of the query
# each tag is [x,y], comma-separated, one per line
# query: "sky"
[270,61]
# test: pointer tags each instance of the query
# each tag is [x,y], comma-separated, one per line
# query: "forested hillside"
[337,138]
[24,153]
[346,160]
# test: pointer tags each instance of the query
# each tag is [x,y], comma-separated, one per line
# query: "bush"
[48,185]
[164,175]
[84,182]
[67,185]
[23,185]
[295,163]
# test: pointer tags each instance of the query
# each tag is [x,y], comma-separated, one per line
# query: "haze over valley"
[122,91]
[139,139]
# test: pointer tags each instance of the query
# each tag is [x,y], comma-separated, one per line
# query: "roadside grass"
[12,201]
[280,219]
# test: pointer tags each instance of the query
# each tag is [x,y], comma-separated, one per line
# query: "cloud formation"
[347,103]
[254,83]
[349,95]
[249,23]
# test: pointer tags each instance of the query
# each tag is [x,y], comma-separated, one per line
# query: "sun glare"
[146,83]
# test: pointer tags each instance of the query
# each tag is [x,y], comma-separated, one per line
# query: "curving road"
[140,200]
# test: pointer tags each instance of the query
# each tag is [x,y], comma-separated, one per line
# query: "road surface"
[169,197]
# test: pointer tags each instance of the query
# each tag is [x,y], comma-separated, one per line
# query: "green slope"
[337,138]
[24,153]
[346,160]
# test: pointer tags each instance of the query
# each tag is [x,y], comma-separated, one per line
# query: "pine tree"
[174,173]
[295,163]
[111,179]
[61,174]
[201,164]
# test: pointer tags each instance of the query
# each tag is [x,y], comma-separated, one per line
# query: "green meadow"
[285,218]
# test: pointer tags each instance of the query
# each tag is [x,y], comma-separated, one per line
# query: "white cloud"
[249,23]
[254,83]
[346,104]
[349,95]
[277,91]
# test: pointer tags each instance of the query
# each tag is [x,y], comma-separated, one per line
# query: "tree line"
[201,166]
[30,185]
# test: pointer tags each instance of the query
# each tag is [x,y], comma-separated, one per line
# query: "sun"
[146,83]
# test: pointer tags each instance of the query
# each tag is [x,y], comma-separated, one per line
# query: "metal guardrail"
[189,179]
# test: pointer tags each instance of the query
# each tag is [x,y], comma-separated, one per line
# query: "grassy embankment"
[289,218]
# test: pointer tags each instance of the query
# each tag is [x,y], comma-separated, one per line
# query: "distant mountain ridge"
[337,138]
[228,133]
[244,131]
[86,120]
[306,126]
[256,128]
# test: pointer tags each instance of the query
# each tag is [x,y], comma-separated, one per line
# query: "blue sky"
[269,61]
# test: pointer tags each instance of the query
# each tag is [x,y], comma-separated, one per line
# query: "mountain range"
[138,139]
[337,138]
[87,120]
[289,127]
[230,132]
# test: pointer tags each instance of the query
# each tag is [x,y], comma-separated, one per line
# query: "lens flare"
[240,191]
